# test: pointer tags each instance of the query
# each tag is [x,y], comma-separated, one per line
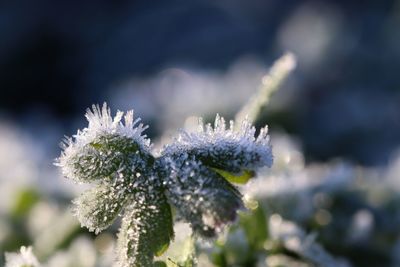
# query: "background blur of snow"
[335,123]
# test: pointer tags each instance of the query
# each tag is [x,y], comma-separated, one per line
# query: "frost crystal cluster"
[193,176]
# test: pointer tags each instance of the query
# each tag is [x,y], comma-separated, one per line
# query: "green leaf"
[96,145]
[237,178]
[218,256]
[146,230]
[162,249]
[160,264]
[24,202]
[255,226]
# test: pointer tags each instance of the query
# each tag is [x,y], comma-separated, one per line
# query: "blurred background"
[169,60]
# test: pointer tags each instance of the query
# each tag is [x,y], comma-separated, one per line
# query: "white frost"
[240,146]
[101,123]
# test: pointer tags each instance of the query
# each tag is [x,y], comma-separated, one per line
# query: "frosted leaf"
[145,232]
[223,147]
[25,258]
[100,149]
[193,174]
[98,207]
[294,239]
[202,197]
[117,156]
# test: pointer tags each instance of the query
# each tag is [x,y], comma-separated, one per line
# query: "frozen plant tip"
[23,259]
[223,147]
[90,154]
[193,175]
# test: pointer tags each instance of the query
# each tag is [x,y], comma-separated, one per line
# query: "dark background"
[59,57]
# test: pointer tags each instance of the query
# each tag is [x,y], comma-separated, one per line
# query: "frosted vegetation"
[212,196]
[192,175]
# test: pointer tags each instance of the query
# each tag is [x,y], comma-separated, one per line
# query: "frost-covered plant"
[295,240]
[25,258]
[193,175]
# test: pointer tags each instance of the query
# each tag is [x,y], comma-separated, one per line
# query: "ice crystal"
[225,148]
[25,258]
[201,196]
[193,175]
[100,149]
[98,207]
